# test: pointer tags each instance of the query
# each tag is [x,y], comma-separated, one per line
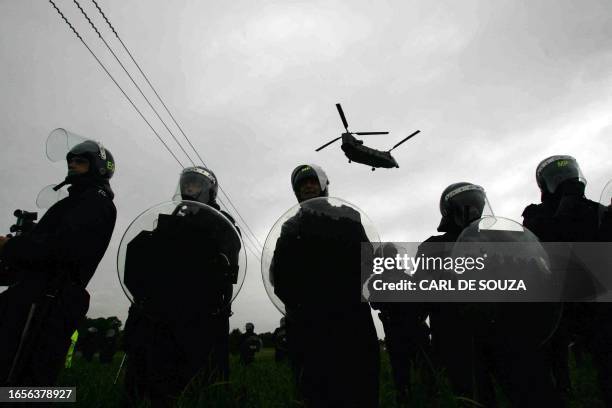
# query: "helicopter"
[356,152]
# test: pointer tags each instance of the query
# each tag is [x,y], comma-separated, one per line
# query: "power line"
[116,83]
[253,252]
[259,246]
[132,79]
[249,238]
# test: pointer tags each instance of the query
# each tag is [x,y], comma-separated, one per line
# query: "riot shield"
[180,255]
[605,212]
[512,253]
[312,254]
[58,144]
[48,196]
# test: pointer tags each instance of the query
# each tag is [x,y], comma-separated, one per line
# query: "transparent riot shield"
[180,255]
[605,211]
[48,196]
[313,254]
[519,291]
[510,252]
[602,256]
[59,143]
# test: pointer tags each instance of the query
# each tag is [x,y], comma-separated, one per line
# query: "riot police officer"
[250,343]
[181,276]
[498,340]
[460,204]
[566,215]
[333,347]
[54,263]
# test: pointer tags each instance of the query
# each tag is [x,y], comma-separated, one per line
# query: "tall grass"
[266,383]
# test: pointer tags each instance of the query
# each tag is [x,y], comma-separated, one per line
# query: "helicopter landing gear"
[373,168]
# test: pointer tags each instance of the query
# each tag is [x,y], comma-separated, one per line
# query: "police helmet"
[309,171]
[460,204]
[101,161]
[556,170]
[198,184]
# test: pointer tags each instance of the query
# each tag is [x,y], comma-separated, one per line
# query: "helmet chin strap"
[60,185]
[75,178]
[70,179]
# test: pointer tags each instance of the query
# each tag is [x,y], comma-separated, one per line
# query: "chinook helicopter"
[355,150]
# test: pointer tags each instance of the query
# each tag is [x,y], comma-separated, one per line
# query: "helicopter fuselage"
[354,150]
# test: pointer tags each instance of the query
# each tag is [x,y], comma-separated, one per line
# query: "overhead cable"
[132,79]
[251,239]
[259,246]
[116,83]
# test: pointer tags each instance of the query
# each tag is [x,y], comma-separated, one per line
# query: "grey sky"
[494,87]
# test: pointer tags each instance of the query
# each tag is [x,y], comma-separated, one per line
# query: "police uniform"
[565,215]
[181,276]
[55,261]
[333,346]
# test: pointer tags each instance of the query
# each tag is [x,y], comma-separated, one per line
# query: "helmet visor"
[59,143]
[557,169]
[196,187]
[88,146]
[468,203]
[308,171]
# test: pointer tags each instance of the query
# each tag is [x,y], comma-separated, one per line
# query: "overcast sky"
[494,87]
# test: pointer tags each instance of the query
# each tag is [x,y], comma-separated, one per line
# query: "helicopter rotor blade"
[328,143]
[344,122]
[405,139]
[370,133]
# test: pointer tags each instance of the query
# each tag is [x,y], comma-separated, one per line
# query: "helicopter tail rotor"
[405,139]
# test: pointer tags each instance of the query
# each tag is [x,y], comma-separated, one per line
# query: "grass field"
[268,384]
